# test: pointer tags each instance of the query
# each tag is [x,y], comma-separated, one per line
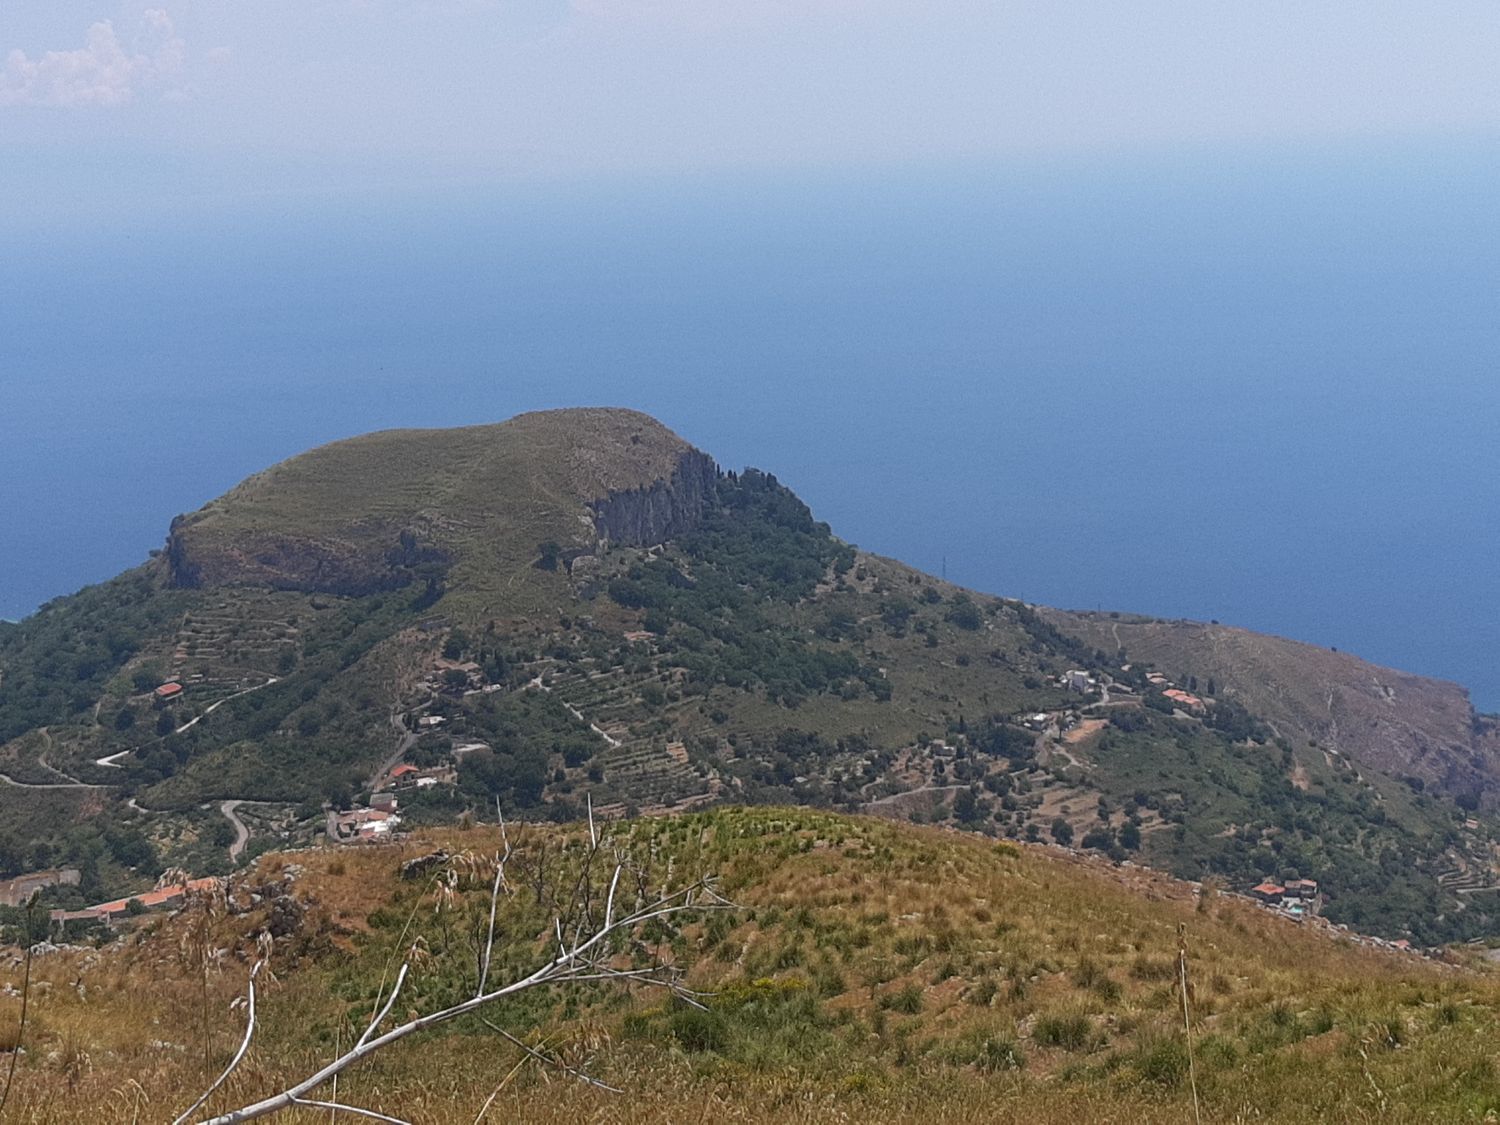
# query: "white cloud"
[103,72]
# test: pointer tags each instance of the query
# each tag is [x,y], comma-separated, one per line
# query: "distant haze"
[1252,385]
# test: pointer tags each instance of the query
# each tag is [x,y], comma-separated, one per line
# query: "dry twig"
[582,954]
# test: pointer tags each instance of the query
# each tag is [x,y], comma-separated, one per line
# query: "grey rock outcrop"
[643,517]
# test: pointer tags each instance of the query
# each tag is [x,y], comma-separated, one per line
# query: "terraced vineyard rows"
[647,768]
[227,647]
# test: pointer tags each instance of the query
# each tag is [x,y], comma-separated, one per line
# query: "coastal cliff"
[644,517]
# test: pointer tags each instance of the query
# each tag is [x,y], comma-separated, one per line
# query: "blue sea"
[1260,387]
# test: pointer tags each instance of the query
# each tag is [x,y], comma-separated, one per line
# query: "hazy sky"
[99,98]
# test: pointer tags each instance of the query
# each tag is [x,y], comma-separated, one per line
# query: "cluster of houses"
[1299,897]
[380,819]
[1185,699]
[459,678]
[367,825]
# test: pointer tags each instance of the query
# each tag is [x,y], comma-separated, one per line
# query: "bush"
[1163,1062]
[988,1053]
[698,1031]
[906,1000]
[1072,1031]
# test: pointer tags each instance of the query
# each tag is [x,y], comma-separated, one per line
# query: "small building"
[363,824]
[169,691]
[430,721]
[88,914]
[1302,888]
[16,892]
[402,770]
[1268,891]
[414,778]
[1079,681]
[1184,699]
[159,899]
[385,802]
[637,635]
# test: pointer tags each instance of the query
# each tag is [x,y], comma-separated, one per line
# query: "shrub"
[1072,1031]
[983,992]
[906,1000]
[1163,1062]
[699,1031]
[1146,967]
[988,1053]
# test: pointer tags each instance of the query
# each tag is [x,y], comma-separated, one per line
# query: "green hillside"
[578,606]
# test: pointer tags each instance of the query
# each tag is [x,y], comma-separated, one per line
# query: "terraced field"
[642,765]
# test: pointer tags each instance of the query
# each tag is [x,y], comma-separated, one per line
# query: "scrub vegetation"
[867,969]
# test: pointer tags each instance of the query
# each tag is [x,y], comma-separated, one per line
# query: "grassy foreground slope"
[872,970]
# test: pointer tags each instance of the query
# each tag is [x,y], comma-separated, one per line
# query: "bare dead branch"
[547,1059]
[609,903]
[340,1107]
[500,862]
[573,963]
[238,1055]
[380,1016]
[10,1080]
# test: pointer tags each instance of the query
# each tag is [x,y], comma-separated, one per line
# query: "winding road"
[112,760]
[241,833]
[8,780]
[70,783]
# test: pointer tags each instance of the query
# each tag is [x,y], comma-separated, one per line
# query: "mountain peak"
[371,512]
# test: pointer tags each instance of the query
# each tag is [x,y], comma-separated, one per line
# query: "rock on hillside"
[1378,717]
[377,512]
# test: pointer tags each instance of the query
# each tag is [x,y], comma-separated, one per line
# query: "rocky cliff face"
[643,517]
[369,556]
[370,563]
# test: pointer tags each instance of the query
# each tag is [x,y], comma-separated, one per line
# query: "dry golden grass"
[874,971]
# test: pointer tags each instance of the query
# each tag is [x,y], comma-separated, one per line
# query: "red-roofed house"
[169,691]
[402,770]
[1268,891]
[151,900]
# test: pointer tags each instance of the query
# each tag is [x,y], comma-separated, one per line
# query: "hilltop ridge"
[377,512]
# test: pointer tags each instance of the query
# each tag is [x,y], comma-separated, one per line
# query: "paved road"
[405,741]
[241,833]
[893,797]
[8,780]
[110,759]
